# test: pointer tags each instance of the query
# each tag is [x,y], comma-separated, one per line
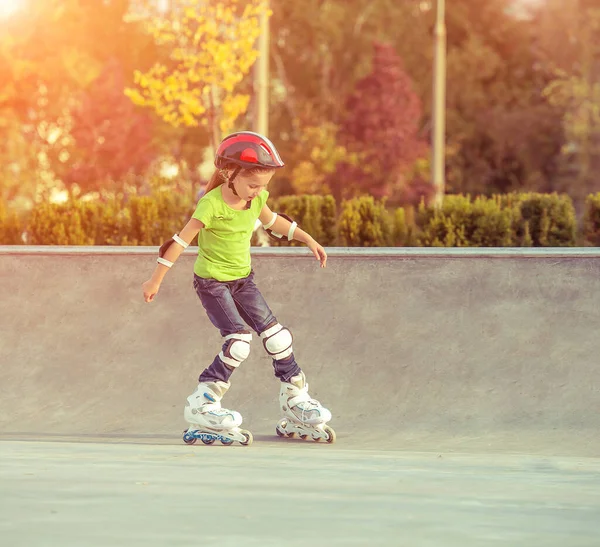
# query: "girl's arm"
[170,255]
[282,226]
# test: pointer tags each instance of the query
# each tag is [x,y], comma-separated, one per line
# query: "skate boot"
[302,415]
[208,421]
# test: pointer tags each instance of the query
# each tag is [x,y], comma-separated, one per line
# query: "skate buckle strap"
[302,397]
[244,337]
[270,332]
[223,412]
[283,354]
[210,407]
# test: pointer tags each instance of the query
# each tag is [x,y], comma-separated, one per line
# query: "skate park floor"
[292,493]
[465,398]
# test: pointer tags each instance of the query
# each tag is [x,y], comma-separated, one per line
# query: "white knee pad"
[237,350]
[278,341]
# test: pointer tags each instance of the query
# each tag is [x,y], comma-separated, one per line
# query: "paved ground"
[465,392]
[68,495]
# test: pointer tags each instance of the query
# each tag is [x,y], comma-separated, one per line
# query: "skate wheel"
[302,436]
[208,441]
[248,437]
[188,439]
[279,433]
[330,434]
[290,435]
[227,442]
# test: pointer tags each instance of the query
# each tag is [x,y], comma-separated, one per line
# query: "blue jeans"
[230,306]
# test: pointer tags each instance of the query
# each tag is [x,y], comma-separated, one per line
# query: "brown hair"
[220,176]
[217,179]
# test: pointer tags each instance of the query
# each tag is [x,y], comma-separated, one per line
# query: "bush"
[547,220]
[365,223]
[404,228]
[591,220]
[111,223]
[118,221]
[314,214]
[10,227]
[464,223]
[520,220]
[512,220]
[54,224]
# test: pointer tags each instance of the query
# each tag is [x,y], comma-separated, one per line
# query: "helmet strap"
[232,187]
[232,178]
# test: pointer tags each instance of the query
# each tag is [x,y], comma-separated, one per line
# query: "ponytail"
[220,177]
[217,179]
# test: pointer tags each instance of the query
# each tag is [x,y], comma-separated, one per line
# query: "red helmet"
[247,149]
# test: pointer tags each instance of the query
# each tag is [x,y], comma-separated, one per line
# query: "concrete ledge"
[350,252]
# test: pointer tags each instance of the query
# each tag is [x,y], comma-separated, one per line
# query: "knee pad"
[278,341]
[237,349]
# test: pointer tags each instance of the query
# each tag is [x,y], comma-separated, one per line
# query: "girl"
[224,219]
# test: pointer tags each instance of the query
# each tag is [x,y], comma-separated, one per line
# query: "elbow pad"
[165,246]
[277,236]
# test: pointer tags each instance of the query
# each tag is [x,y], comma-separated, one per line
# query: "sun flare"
[8,7]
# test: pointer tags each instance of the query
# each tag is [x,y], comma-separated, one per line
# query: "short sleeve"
[263,197]
[204,212]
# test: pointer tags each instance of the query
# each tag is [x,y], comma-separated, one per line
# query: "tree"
[568,42]
[319,158]
[382,125]
[211,46]
[503,134]
[112,138]
[49,55]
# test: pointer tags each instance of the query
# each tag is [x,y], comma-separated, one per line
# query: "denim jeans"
[230,306]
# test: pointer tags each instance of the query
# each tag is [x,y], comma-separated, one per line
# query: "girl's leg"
[203,410]
[221,310]
[301,413]
[255,311]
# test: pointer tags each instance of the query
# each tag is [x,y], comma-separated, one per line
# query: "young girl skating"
[224,220]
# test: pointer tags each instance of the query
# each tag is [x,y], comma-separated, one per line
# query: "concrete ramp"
[414,349]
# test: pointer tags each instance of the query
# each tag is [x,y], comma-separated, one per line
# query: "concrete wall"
[419,347]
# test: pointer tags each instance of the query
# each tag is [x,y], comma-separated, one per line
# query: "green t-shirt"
[224,242]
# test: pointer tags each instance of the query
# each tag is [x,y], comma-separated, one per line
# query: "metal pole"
[261,117]
[438,163]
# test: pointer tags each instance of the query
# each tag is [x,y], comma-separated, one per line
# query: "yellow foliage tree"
[319,155]
[211,47]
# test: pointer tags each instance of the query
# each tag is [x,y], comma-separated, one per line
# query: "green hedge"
[547,219]
[512,220]
[365,223]
[462,222]
[132,221]
[11,227]
[591,220]
[314,214]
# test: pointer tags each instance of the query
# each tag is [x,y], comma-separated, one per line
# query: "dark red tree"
[383,121]
[113,137]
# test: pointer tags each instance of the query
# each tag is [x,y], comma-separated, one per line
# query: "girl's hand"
[318,251]
[150,289]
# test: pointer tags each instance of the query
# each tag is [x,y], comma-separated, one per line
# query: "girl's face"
[250,184]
